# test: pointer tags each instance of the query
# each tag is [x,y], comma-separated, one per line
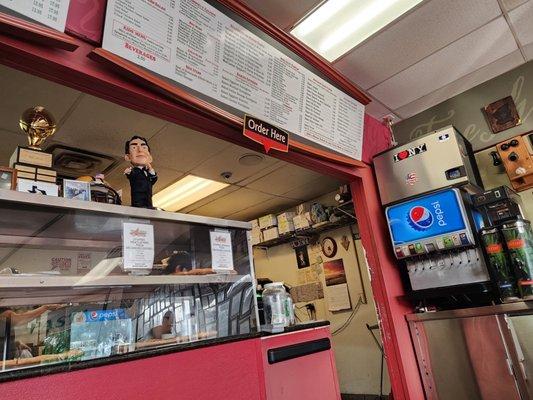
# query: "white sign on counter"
[138,246]
[193,43]
[52,13]
[221,251]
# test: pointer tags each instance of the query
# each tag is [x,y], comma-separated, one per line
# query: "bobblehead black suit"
[141,182]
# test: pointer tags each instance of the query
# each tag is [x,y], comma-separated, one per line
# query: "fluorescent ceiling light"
[185,192]
[339,25]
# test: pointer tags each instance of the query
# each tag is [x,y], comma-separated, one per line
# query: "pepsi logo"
[94,315]
[420,218]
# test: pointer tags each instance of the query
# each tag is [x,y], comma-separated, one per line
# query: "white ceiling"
[432,53]
[89,123]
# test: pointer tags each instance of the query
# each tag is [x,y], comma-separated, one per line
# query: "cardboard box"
[271,233]
[285,217]
[256,237]
[303,208]
[268,221]
[302,221]
[255,223]
[285,227]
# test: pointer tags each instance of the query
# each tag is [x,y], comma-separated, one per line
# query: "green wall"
[464,110]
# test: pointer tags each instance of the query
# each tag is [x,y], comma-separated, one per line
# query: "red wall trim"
[36,33]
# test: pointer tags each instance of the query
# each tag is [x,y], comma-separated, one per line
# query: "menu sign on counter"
[52,13]
[138,247]
[198,46]
[221,251]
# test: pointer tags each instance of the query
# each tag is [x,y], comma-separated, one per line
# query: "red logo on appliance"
[410,152]
[411,178]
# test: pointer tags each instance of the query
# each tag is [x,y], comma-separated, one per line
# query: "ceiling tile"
[283,179]
[282,13]
[376,109]
[522,21]
[21,91]
[313,189]
[474,51]
[10,141]
[210,199]
[461,85]
[420,33]
[511,4]
[104,127]
[239,199]
[272,206]
[228,161]
[528,51]
[183,149]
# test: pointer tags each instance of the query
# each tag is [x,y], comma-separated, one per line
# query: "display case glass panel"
[81,280]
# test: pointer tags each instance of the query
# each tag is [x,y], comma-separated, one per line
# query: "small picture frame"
[8,178]
[77,190]
[502,115]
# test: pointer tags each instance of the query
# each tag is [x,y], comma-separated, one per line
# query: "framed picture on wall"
[8,178]
[302,256]
[502,114]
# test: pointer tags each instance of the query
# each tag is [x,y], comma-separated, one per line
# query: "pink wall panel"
[311,377]
[85,19]
[229,371]
[376,138]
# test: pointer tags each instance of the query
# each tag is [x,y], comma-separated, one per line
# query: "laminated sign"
[269,136]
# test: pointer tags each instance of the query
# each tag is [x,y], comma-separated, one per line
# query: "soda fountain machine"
[425,187]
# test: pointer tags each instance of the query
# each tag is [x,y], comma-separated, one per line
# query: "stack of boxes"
[285,223]
[257,234]
[302,220]
[269,226]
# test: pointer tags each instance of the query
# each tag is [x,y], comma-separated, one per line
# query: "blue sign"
[426,217]
[104,315]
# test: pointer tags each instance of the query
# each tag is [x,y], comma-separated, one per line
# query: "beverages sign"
[268,135]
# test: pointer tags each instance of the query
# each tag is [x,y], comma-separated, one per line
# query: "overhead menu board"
[193,43]
[52,13]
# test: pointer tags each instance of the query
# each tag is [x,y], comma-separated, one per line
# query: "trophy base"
[31,157]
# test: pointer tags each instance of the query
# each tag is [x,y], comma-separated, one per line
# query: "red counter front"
[233,371]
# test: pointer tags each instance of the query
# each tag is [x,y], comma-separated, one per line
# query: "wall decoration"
[77,190]
[302,257]
[329,247]
[8,178]
[502,114]
[345,242]
[334,272]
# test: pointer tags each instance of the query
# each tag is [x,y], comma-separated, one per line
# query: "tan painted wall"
[357,356]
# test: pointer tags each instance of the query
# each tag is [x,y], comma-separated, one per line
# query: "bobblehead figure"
[141,174]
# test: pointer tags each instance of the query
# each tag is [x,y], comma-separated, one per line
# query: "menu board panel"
[52,13]
[193,43]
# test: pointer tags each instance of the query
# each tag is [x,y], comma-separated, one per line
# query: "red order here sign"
[270,136]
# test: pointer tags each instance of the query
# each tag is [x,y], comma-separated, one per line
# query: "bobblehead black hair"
[127,145]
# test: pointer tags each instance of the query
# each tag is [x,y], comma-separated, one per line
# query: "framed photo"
[302,257]
[37,187]
[77,190]
[8,178]
[502,114]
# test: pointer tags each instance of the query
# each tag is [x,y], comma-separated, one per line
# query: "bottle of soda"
[497,260]
[519,240]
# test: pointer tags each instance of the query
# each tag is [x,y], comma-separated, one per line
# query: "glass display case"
[81,280]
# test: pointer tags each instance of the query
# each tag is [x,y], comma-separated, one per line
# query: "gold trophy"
[38,124]
[32,162]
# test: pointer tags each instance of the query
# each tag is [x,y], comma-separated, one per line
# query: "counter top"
[42,370]
[519,307]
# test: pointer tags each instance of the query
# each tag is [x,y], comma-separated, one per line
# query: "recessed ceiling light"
[339,25]
[250,159]
[185,192]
